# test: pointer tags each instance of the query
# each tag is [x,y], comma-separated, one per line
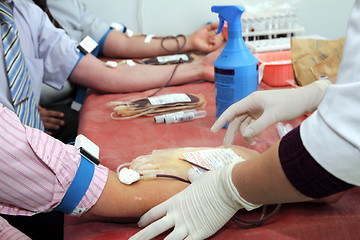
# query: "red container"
[277,69]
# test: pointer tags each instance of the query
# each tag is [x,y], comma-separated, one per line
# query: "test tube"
[275,22]
[161,118]
[185,117]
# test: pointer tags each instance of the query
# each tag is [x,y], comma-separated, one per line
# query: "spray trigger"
[221,24]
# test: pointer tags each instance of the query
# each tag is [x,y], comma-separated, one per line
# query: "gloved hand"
[261,109]
[197,212]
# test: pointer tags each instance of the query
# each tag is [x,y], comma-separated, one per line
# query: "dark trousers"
[40,226]
[68,132]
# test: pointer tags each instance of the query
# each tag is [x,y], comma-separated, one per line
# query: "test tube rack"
[271,32]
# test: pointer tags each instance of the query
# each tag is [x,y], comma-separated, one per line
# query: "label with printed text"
[169,98]
[212,159]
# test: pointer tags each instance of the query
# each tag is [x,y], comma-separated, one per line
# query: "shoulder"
[25,5]
[27,10]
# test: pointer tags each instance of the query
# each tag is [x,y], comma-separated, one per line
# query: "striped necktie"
[23,99]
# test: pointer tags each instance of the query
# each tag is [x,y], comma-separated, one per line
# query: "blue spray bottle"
[236,73]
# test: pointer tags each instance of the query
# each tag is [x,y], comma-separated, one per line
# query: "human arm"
[214,197]
[138,197]
[118,44]
[93,73]
[59,56]
[48,167]
[262,109]
[79,22]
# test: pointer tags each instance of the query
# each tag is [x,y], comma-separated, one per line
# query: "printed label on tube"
[184,117]
[170,98]
[212,159]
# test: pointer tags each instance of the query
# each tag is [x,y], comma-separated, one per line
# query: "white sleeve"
[332,133]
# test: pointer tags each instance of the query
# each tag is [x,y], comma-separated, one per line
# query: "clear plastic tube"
[161,118]
[185,117]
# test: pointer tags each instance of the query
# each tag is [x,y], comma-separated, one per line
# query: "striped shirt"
[36,170]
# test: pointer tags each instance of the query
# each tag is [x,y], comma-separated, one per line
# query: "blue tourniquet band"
[102,42]
[78,187]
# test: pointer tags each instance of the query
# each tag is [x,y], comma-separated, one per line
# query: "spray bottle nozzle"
[231,14]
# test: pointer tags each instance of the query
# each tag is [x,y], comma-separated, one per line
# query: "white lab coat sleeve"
[332,133]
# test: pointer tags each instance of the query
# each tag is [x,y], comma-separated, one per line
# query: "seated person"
[49,167]
[78,22]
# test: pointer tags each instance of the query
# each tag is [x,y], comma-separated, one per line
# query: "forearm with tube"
[138,198]
[92,73]
[118,45]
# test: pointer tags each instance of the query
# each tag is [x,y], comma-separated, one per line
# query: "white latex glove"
[197,212]
[261,109]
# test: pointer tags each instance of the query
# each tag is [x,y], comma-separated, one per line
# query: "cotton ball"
[128,176]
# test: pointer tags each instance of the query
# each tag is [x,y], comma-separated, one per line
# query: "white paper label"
[169,98]
[212,158]
[148,38]
[130,62]
[172,58]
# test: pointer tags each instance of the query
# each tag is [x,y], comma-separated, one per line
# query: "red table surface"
[121,141]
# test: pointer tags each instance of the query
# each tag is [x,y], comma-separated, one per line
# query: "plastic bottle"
[236,74]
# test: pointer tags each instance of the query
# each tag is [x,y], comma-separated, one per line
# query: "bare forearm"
[131,201]
[118,45]
[261,180]
[93,73]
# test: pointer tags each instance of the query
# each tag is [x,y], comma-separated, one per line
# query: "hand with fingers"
[261,109]
[197,212]
[52,120]
[205,39]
